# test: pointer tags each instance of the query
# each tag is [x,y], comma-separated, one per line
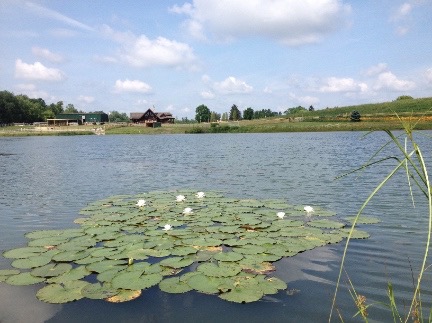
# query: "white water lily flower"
[180,198]
[308,209]
[200,195]
[167,227]
[187,210]
[280,215]
[141,203]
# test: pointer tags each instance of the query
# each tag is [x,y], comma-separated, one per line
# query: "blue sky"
[129,55]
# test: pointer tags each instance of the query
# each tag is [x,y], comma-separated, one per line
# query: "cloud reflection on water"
[19,305]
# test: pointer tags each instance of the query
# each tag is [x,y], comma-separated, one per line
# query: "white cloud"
[402,31]
[132,86]
[231,85]
[290,21]
[86,99]
[37,71]
[47,54]
[304,100]
[267,90]
[402,11]
[140,51]
[389,81]
[334,84]
[377,69]
[51,14]
[207,95]
[32,91]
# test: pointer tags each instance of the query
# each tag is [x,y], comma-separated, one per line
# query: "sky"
[175,55]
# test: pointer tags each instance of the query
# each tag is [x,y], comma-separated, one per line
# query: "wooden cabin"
[151,117]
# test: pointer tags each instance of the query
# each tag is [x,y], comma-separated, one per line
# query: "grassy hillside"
[404,107]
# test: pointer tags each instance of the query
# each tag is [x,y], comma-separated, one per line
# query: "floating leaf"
[326,224]
[174,285]
[228,256]
[221,270]
[357,234]
[244,290]
[363,219]
[23,279]
[135,280]
[124,296]
[203,283]
[254,266]
[31,262]
[99,291]
[61,293]
[73,274]
[24,252]
[270,285]
[51,270]
[68,256]
[176,262]
[102,266]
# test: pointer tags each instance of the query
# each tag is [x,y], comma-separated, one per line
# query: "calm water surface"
[45,181]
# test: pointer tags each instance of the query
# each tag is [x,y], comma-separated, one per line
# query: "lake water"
[45,181]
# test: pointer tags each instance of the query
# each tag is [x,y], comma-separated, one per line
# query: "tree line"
[22,109]
[203,113]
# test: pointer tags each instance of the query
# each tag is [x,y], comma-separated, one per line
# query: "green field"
[378,116]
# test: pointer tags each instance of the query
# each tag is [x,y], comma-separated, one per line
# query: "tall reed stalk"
[413,162]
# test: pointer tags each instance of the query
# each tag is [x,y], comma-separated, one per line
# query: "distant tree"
[355,116]
[235,113]
[225,116]
[214,116]
[202,113]
[70,109]
[115,116]
[248,114]
[264,113]
[404,97]
[311,108]
[295,110]
[56,108]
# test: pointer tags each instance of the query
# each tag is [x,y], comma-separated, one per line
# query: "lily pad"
[23,279]
[244,290]
[99,291]
[221,270]
[228,256]
[203,283]
[31,262]
[24,252]
[51,270]
[176,262]
[227,246]
[135,280]
[174,285]
[61,293]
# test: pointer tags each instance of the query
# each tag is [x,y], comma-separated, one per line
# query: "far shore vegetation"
[365,117]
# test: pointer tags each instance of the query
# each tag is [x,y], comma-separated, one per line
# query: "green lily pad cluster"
[180,241]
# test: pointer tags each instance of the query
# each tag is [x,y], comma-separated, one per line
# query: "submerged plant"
[412,162]
[225,246]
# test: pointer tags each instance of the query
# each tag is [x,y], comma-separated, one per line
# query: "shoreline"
[244,126]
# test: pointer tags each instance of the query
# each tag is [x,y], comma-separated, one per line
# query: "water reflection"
[19,305]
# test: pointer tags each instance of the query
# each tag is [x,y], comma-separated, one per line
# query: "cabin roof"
[160,115]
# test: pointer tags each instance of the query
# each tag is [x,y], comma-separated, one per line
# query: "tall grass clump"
[410,159]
